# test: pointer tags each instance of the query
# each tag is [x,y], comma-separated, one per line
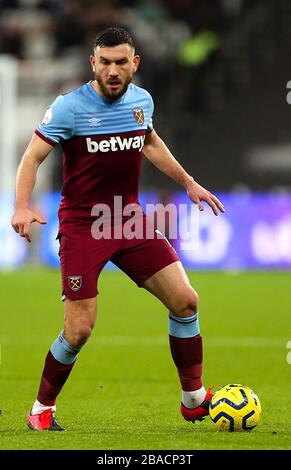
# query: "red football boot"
[199,413]
[44,421]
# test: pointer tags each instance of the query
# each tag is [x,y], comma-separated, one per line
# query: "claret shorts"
[83,258]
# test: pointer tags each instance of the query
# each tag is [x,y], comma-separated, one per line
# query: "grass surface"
[124,392]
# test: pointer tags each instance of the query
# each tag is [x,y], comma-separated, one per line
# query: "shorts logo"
[75,282]
[139,115]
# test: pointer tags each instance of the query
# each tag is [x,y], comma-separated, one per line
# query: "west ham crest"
[75,282]
[139,115]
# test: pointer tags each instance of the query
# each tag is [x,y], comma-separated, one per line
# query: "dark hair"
[113,36]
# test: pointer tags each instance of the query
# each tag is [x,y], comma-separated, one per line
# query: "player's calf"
[58,365]
[187,352]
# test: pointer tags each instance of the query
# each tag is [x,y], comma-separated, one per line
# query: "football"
[235,407]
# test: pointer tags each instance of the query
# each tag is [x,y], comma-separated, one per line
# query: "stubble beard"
[112,95]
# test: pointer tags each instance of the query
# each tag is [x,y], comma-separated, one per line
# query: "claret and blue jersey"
[102,144]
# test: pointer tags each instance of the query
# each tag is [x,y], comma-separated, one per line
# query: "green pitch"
[124,391]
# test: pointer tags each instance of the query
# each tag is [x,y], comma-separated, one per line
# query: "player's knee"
[79,323]
[186,303]
[80,333]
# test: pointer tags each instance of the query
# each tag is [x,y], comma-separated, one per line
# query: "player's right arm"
[34,155]
[57,125]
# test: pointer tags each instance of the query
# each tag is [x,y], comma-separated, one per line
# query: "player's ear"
[92,61]
[136,62]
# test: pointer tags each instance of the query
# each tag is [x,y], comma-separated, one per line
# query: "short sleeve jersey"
[102,145]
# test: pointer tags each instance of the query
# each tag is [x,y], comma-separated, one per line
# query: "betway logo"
[115,144]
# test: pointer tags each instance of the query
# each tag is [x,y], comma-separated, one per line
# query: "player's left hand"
[197,194]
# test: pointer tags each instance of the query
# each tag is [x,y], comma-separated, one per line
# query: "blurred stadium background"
[218,72]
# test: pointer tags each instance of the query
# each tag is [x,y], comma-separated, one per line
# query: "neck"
[96,87]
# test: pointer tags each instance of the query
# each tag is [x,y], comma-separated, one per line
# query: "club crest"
[75,282]
[139,115]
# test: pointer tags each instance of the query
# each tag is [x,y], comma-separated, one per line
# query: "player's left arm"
[158,153]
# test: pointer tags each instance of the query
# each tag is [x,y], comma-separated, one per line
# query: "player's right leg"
[80,316]
[82,259]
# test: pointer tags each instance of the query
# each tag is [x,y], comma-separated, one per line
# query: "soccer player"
[104,128]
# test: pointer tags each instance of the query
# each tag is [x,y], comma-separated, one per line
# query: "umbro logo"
[94,122]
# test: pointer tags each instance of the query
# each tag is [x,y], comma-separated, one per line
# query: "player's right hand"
[21,221]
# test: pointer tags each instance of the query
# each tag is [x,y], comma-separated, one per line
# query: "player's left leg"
[153,264]
[171,285]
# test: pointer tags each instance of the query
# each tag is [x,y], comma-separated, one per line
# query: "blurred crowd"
[177,40]
[38,29]
[70,23]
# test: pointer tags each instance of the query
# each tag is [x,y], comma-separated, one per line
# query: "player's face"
[114,68]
